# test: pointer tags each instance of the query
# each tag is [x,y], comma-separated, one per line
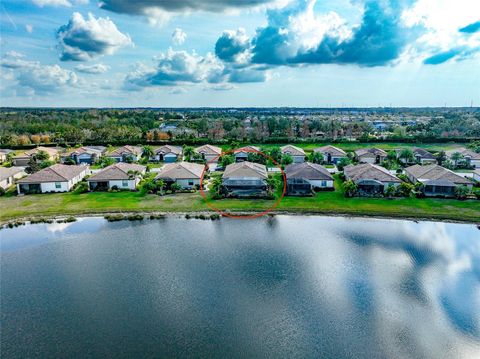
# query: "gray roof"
[307,170]
[55,173]
[370,152]
[247,149]
[209,150]
[435,172]
[134,150]
[181,170]
[117,171]
[97,150]
[334,151]
[418,152]
[5,150]
[465,152]
[368,171]
[245,170]
[292,150]
[169,149]
[6,172]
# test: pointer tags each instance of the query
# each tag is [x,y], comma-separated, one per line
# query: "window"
[58,185]
[124,183]
[190,183]
[324,183]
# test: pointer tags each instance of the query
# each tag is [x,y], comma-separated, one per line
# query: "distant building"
[242,153]
[56,178]
[185,174]
[120,175]
[126,153]
[297,153]
[331,154]
[370,155]
[168,153]
[209,153]
[370,179]
[245,179]
[24,158]
[304,178]
[85,155]
[420,156]
[436,180]
[8,175]
[470,157]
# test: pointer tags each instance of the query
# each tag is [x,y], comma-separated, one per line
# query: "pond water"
[277,287]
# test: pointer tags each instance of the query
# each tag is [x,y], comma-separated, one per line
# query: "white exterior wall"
[47,187]
[475,163]
[131,184]
[476,176]
[298,159]
[367,160]
[318,183]
[4,184]
[210,158]
[184,182]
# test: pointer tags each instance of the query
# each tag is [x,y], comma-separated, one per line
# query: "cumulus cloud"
[92,69]
[85,39]
[233,46]
[35,78]
[179,36]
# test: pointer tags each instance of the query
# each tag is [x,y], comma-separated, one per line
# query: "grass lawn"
[323,203]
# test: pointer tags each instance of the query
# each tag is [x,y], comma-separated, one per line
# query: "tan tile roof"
[135,150]
[181,170]
[465,152]
[87,149]
[169,149]
[245,169]
[334,151]
[6,172]
[209,150]
[55,173]
[435,172]
[117,171]
[370,152]
[292,150]
[307,170]
[368,171]
[52,151]
[255,148]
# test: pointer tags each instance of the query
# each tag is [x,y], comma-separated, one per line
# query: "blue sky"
[240,53]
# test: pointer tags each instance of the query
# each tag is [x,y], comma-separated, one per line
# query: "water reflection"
[287,286]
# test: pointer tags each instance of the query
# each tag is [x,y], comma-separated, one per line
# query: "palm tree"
[161,185]
[147,152]
[188,152]
[133,174]
[456,156]
[407,155]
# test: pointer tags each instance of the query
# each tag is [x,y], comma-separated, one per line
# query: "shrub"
[390,191]
[405,189]
[81,187]
[350,188]
[461,192]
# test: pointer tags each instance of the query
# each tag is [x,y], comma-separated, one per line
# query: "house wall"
[131,184]
[475,163]
[168,158]
[476,176]
[321,184]
[298,159]
[50,187]
[7,182]
[21,161]
[184,183]
[365,159]
[3,157]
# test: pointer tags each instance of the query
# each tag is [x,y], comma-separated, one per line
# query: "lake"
[273,287]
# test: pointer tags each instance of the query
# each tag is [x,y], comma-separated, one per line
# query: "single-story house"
[370,178]
[120,175]
[56,178]
[241,154]
[436,180]
[303,178]
[476,175]
[245,179]
[209,153]
[421,156]
[8,175]
[370,155]
[24,158]
[4,154]
[471,158]
[185,174]
[168,154]
[85,155]
[122,154]
[331,154]
[297,153]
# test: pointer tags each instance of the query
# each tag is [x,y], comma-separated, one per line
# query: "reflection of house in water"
[245,179]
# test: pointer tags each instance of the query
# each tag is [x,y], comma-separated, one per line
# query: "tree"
[287,159]
[405,189]
[349,188]
[225,160]
[407,155]
[147,152]
[188,152]
[32,166]
[441,157]
[41,156]
[133,174]
[35,139]
[175,187]
[461,192]
[344,162]
[392,155]
[390,191]
[316,157]
[456,156]
[276,154]
[106,161]
[216,187]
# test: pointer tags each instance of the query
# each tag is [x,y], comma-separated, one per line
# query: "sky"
[239,53]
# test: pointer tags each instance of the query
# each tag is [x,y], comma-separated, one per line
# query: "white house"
[303,178]
[242,153]
[331,154]
[23,159]
[168,154]
[8,175]
[297,153]
[122,154]
[470,157]
[56,178]
[119,175]
[209,153]
[85,155]
[370,155]
[370,178]
[185,174]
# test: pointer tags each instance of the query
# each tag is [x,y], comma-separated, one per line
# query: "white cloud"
[56,3]
[84,39]
[92,69]
[29,28]
[179,36]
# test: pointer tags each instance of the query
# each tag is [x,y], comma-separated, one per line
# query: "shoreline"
[19,221]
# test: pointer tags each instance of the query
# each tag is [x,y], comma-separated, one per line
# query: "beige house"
[209,153]
[243,179]
[297,153]
[168,154]
[119,175]
[370,179]
[125,153]
[470,157]
[185,174]
[24,158]
[370,155]
[8,175]
[241,154]
[331,154]
[56,178]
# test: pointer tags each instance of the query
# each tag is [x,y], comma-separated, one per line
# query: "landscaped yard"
[322,203]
